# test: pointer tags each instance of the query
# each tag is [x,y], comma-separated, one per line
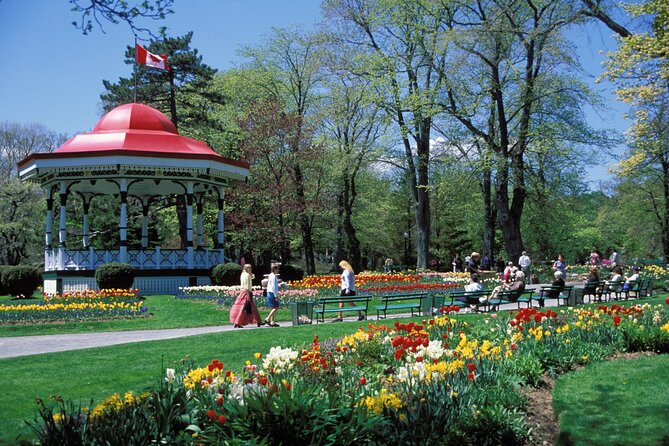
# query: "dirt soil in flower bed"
[540,416]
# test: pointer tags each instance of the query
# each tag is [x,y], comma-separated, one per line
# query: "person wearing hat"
[508,272]
[473,264]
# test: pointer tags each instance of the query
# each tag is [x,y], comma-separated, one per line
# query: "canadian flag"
[142,56]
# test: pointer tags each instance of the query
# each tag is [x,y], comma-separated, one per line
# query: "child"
[272,295]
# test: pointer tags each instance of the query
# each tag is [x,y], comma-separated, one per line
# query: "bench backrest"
[470,296]
[408,296]
[344,299]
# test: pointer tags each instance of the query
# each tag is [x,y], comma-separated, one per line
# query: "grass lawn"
[615,403]
[97,373]
[166,312]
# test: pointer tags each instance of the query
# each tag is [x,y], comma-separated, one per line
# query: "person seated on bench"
[347,288]
[518,286]
[590,287]
[473,286]
[558,285]
[631,280]
[615,283]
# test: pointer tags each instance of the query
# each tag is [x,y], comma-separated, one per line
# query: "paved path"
[12,347]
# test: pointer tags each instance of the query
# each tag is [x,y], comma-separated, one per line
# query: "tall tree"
[397,45]
[508,45]
[640,69]
[21,204]
[353,126]
[185,92]
[291,62]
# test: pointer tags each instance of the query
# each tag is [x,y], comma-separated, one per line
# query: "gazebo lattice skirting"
[134,150]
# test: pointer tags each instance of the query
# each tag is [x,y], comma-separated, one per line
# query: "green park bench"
[327,305]
[465,299]
[410,301]
[510,297]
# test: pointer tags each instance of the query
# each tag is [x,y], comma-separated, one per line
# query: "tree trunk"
[489,215]
[353,243]
[665,225]
[509,222]
[422,199]
[338,253]
[305,225]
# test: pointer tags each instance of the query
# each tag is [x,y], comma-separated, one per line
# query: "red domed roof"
[135,130]
[135,117]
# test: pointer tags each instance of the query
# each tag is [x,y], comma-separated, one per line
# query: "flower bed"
[76,306]
[442,381]
[311,287]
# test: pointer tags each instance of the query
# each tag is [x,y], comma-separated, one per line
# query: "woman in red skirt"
[244,310]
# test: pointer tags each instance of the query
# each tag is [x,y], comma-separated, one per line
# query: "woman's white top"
[273,284]
[347,280]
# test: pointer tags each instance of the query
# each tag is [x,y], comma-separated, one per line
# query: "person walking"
[473,264]
[272,295]
[500,266]
[347,288]
[244,310]
[524,262]
[457,263]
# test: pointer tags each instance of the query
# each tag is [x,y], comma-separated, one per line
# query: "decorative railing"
[60,259]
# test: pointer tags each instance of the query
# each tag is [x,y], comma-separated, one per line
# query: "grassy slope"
[615,403]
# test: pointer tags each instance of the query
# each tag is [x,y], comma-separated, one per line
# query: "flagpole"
[135,72]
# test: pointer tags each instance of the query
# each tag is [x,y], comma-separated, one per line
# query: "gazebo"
[134,150]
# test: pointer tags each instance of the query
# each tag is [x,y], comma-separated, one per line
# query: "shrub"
[226,274]
[290,273]
[3,290]
[20,281]
[114,275]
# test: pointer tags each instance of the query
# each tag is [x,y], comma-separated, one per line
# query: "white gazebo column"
[62,229]
[189,223]
[219,235]
[145,221]
[123,224]
[86,200]
[200,205]
[48,238]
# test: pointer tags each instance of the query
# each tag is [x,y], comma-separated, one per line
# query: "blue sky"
[53,74]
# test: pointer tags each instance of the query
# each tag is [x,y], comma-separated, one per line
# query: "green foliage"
[527,370]
[20,281]
[290,272]
[153,417]
[114,275]
[3,289]
[226,274]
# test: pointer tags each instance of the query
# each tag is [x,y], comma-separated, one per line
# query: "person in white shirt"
[633,279]
[474,284]
[524,262]
[272,295]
